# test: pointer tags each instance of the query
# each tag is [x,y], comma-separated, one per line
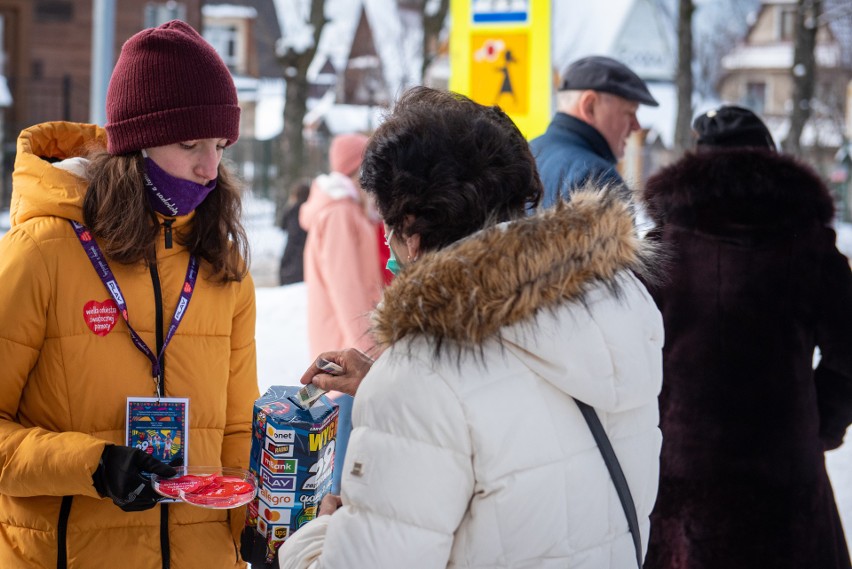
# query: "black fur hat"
[730,125]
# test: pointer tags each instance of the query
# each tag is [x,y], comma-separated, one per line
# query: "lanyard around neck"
[101,266]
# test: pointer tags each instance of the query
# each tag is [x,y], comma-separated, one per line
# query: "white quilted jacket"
[468,448]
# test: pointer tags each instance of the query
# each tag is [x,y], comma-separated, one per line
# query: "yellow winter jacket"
[63,388]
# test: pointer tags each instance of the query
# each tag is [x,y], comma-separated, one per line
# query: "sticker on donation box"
[159,427]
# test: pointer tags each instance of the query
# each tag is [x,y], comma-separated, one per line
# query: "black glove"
[119,477]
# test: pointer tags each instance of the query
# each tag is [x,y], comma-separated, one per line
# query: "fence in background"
[259,163]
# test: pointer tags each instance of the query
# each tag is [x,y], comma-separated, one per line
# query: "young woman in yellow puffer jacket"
[124,275]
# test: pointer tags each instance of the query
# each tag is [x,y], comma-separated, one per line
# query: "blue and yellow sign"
[500,55]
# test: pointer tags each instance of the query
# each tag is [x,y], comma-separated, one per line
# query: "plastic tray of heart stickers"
[208,486]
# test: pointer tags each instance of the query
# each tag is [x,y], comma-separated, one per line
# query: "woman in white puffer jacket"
[468,449]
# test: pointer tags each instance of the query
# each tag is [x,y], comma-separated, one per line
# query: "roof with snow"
[398,35]
[777,56]
[265,25]
[836,15]
[632,31]
[636,33]
[228,11]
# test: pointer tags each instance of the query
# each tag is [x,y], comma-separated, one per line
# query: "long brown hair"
[117,212]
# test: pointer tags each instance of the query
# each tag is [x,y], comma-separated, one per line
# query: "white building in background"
[757,73]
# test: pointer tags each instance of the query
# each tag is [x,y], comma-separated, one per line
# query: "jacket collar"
[737,187]
[563,124]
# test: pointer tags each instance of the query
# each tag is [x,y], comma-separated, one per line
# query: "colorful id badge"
[159,427]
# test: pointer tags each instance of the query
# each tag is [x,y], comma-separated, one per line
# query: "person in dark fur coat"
[755,284]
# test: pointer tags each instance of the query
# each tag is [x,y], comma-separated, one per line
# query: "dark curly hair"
[453,165]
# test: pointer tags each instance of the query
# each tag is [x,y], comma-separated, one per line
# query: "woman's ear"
[412,242]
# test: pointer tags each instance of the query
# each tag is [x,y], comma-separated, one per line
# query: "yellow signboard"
[499,72]
[500,55]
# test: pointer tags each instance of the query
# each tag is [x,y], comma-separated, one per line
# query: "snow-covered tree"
[302,22]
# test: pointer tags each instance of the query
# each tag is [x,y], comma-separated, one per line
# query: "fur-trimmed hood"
[741,186]
[505,274]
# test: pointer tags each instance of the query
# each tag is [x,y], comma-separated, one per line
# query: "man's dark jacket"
[569,154]
[754,284]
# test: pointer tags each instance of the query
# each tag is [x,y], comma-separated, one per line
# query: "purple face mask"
[170,195]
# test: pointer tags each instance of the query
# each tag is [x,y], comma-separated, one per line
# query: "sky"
[282,351]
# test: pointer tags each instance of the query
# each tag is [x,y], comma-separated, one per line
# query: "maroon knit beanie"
[169,85]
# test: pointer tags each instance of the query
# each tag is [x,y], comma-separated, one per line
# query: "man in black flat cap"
[596,111]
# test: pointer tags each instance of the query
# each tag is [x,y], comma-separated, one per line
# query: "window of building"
[157,13]
[755,97]
[47,11]
[787,27]
[37,69]
[224,38]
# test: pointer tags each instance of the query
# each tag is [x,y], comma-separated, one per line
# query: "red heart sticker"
[100,317]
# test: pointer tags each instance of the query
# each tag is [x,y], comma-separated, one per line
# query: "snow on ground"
[283,355]
[844,238]
[267,240]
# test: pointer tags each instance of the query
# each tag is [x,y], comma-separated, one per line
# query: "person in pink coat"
[342,271]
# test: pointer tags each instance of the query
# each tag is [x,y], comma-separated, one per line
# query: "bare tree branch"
[432,26]
[803,71]
[683,78]
[295,65]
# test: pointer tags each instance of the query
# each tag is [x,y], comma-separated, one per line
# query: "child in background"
[292,269]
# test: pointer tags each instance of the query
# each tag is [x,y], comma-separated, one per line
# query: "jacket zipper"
[165,548]
[167,224]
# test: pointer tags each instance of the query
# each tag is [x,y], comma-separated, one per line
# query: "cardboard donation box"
[292,455]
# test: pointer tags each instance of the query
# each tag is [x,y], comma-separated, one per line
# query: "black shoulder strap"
[615,473]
